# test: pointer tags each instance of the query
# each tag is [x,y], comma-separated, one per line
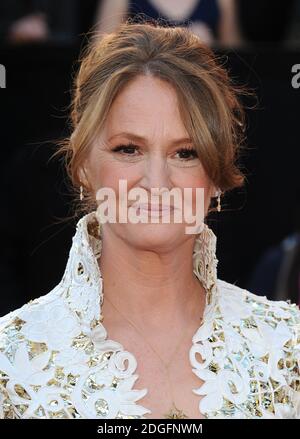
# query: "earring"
[219,201]
[81,193]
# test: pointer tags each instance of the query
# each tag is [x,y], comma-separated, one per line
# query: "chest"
[168,379]
[164,390]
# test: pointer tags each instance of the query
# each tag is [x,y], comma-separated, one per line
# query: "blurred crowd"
[217,22]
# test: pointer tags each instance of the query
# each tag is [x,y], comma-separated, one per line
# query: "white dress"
[56,360]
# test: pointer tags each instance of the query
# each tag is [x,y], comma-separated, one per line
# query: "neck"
[154,290]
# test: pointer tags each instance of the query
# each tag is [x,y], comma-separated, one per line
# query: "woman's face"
[145,116]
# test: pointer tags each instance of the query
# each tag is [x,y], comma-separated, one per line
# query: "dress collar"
[83,279]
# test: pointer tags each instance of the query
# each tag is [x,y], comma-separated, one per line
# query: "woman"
[141,300]
[216,22]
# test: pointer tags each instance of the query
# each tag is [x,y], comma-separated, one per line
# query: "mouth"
[154,207]
[149,210]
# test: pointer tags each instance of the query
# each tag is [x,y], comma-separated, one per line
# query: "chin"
[154,236]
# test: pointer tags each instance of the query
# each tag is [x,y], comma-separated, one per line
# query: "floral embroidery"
[51,324]
[56,360]
[250,367]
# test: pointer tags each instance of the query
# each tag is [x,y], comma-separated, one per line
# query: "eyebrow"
[137,138]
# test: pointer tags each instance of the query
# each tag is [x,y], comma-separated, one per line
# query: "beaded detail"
[56,360]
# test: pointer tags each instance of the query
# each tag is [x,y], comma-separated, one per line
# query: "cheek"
[195,180]
[107,173]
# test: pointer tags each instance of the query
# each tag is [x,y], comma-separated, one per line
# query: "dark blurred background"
[258,229]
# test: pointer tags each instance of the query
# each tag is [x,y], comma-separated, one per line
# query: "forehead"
[146,104]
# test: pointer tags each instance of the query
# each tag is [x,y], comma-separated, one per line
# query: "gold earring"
[81,193]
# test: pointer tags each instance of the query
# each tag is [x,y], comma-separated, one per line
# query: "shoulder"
[266,334]
[29,310]
[47,319]
[28,336]
[245,309]
[233,297]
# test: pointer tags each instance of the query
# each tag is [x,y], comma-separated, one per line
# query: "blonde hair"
[208,100]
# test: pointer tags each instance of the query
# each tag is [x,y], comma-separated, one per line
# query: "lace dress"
[56,360]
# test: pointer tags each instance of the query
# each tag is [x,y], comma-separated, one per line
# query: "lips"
[153,207]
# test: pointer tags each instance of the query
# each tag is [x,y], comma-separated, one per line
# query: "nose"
[156,173]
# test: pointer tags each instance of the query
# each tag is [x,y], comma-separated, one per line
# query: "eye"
[126,149]
[187,153]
